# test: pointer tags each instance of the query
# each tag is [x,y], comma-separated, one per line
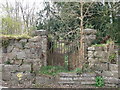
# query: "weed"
[99,81]
[78,70]
[66,62]
[7,62]
[52,70]
[112,58]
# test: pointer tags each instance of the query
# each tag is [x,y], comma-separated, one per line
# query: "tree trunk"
[81,54]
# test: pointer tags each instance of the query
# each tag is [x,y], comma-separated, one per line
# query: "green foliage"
[23,44]
[63,18]
[52,70]
[99,81]
[86,68]
[66,62]
[112,58]
[10,26]
[78,70]
[5,43]
[7,62]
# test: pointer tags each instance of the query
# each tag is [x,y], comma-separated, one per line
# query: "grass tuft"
[52,70]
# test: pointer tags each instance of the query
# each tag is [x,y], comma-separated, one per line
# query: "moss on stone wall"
[24,36]
[5,43]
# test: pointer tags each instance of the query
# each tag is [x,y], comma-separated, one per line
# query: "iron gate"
[62,53]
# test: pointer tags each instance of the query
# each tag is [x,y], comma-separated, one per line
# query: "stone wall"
[86,80]
[22,58]
[103,59]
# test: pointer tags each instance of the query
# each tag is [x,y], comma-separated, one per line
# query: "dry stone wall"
[22,58]
[105,63]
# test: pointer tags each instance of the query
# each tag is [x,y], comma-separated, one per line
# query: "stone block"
[28,76]
[45,80]
[21,77]
[27,51]
[101,66]
[88,75]
[21,55]
[15,51]
[23,41]
[35,39]
[62,74]
[91,48]
[110,74]
[77,78]
[93,60]
[111,85]
[67,78]
[25,68]
[87,78]
[88,82]
[10,48]
[31,61]
[10,68]
[37,66]
[16,61]
[90,31]
[6,76]
[100,54]
[31,56]
[4,57]
[18,45]
[90,54]
[113,67]
[111,80]
[100,48]
[1,67]
[29,45]
[103,60]
[11,55]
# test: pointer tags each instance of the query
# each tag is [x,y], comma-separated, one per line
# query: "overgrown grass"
[52,70]
[99,45]
[102,45]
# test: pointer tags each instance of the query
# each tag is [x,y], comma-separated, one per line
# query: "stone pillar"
[43,34]
[89,36]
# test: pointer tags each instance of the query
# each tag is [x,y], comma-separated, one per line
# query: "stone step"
[68,75]
[110,74]
[2,87]
[88,82]
[111,80]
[76,82]
[111,85]
[78,78]
[75,75]
[68,82]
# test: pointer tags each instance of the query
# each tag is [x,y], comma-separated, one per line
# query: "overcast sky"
[38,4]
[30,2]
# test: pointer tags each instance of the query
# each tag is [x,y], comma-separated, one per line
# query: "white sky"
[38,4]
[30,2]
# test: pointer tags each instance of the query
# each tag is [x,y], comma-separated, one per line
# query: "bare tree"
[28,15]
[19,12]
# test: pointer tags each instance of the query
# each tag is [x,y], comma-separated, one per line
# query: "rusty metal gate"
[62,53]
